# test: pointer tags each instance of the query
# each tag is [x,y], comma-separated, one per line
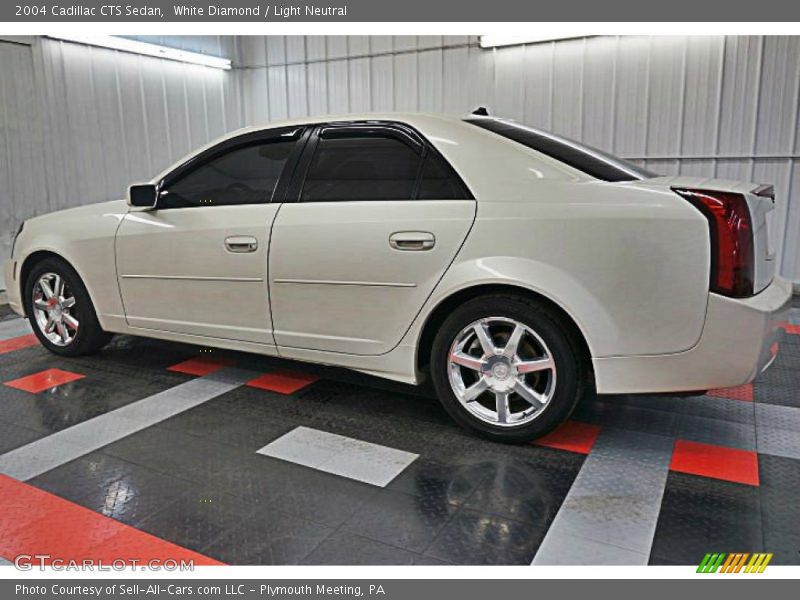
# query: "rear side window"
[376,162]
[593,162]
[438,181]
[369,167]
[243,175]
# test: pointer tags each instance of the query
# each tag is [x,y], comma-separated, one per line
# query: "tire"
[544,339]
[88,337]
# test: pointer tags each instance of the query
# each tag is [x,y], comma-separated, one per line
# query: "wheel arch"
[436,317]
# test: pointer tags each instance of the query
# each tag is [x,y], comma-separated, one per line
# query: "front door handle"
[412,240]
[241,243]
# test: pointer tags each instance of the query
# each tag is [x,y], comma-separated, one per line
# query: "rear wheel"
[60,311]
[507,367]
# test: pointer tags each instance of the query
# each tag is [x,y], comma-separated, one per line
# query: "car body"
[625,263]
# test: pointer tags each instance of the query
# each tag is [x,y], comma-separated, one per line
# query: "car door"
[197,264]
[377,219]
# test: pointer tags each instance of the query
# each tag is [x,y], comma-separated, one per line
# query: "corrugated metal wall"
[21,158]
[88,121]
[79,123]
[112,118]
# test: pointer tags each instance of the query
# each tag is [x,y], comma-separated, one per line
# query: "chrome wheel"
[501,371]
[53,305]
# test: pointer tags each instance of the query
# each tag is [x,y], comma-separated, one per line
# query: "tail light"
[731,229]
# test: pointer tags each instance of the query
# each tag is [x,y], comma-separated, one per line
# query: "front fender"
[85,239]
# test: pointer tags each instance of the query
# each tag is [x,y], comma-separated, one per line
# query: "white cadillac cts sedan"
[516,267]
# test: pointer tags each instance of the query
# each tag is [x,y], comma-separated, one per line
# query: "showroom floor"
[224,457]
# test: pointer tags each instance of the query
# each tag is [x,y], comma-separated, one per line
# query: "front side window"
[245,174]
[593,162]
[361,167]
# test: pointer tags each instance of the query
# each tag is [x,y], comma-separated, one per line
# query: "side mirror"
[143,195]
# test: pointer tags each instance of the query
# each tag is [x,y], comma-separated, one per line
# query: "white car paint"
[627,262]
[339,253]
[175,273]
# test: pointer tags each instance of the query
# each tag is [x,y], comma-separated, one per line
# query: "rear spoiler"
[765,190]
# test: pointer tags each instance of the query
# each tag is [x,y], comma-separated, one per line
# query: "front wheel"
[507,368]
[60,311]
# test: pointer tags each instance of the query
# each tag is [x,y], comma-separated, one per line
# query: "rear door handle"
[241,243]
[412,240]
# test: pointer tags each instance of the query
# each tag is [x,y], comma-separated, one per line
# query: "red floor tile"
[572,436]
[44,380]
[202,365]
[35,522]
[742,392]
[716,462]
[284,382]
[18,343]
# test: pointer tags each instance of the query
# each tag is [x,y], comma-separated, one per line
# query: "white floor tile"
[356,459]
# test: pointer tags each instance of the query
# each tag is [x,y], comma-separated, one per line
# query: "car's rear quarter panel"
[629,264]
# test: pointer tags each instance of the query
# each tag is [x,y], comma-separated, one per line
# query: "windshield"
[591,161]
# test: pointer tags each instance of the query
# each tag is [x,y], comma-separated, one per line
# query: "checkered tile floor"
[172,450]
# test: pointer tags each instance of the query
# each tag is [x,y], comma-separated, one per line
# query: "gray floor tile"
[719,408]
[778,417]
[343,548]
[643,449]
[615,499]
[644,420]
[717,432]
[779,442]
[625,521]
[575,550]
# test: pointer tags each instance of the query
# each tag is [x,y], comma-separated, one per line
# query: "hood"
[99,208]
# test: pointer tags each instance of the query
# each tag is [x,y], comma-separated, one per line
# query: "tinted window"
[439,182]
[363,167]
[591,161]
[244,175]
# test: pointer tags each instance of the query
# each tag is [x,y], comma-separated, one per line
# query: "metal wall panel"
[21,163]
[599,70]
[537,106]
[359,87]
[81,123]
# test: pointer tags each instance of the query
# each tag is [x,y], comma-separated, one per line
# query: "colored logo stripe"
[734,562]
[758,563]
[710,563]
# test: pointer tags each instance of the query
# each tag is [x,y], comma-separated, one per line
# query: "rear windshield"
[591,161]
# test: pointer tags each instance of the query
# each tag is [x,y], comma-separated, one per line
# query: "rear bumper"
[11,273]
[740,339]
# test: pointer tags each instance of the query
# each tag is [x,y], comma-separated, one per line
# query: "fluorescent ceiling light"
[501,39]
[137,47]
